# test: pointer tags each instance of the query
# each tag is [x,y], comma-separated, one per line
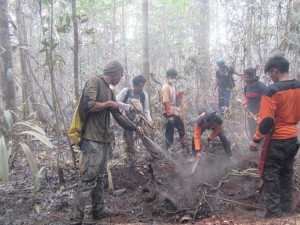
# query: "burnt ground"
[221,190]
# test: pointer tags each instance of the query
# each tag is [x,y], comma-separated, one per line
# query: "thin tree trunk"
[287,22]
[124,45]
[145,53]
[113,31]
[25,63]
[249,34]
[278,28]
[49,54]
[203,70]
[6,65]
[38,84]
[266,28]
[53,89]
[21,40]
[76,50]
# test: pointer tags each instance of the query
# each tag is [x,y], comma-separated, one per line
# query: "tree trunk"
[278,27]
[76,50]
[145,53]
[28,90]
[6,65]
[124,46]
[266,28]
[21,40]
[249,34]
[203,44]
[113,31]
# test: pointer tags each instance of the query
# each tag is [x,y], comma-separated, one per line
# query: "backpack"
[142,97]
[77,127]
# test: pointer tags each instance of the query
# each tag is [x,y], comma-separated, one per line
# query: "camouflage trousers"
[94,159]
[130,144]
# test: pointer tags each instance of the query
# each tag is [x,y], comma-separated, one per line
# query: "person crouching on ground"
[209,121]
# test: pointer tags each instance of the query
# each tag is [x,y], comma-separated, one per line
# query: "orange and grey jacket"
[279,111]
[201,126]
[170,102]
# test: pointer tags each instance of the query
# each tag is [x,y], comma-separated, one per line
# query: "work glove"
[140,131]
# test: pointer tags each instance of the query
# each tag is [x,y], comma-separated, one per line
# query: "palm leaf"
[40,137]
[37,179]
[32,126]
[3,161]
[8,118]
[30,158]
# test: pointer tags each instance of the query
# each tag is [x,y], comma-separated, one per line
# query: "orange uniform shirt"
[281,104]
[201,127]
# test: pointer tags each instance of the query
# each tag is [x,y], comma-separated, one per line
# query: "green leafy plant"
[16,139]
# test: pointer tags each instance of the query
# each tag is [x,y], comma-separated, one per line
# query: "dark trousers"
[223,101]
[170,127]
[224,141]
[278,176]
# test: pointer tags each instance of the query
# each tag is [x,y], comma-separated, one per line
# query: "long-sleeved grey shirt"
[125,106]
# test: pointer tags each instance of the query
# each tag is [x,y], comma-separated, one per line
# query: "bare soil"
[221,191]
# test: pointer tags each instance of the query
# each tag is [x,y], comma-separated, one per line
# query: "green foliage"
[37,179]
[8,118]
[10,76]
[40,137]
[3,161]
[64,23]
[17,135]
[32,126]
[30,158]
[46,2]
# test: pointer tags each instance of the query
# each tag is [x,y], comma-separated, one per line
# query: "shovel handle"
[195,165]
[197,161]
[254,117]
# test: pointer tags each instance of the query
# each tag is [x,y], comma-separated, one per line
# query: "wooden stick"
[199,205]
[110,180]
[195,165]
[185,126]
[235,202]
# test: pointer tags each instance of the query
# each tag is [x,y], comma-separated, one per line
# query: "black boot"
[106,212]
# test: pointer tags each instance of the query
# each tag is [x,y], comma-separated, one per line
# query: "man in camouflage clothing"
[98,102]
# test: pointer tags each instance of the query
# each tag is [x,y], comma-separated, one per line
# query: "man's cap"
[113,68]
[220,61]
[171,72]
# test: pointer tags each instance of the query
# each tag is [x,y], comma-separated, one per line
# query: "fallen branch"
[72,186]
[201,202]
[235,202]
[176,212]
